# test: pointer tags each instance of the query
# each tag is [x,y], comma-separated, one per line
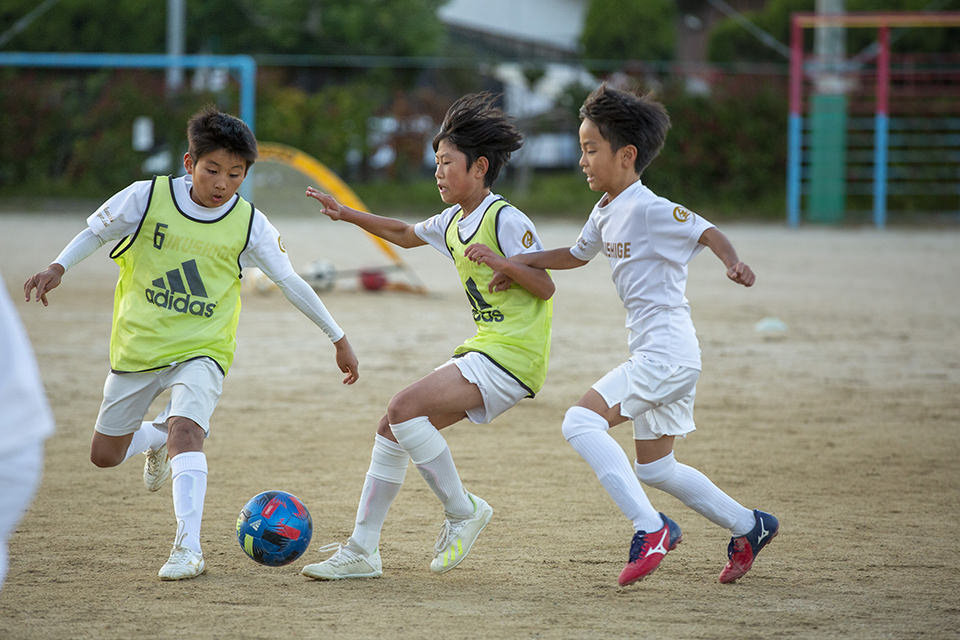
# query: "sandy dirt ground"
[846,425]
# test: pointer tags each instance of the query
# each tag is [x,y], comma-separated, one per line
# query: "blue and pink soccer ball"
[274,528]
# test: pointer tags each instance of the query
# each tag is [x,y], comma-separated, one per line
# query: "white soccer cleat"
[156,468]
[457,536]
[346,562]
[183,563]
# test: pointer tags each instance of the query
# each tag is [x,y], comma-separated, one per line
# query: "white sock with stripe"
[429,451]
[388,467]
[586,431]
[696,491]
[145,438]
[189,489]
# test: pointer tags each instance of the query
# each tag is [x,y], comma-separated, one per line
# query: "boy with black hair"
[183,243]
[489,373]
[648,241]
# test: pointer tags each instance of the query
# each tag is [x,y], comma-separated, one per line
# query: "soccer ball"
[321,275]
[274,528]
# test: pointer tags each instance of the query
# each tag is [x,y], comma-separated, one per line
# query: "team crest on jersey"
[171,292]
[527,240]
[680,214]
[280,244]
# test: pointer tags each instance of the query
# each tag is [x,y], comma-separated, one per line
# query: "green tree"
[122,26]
[629,30]
[357,27]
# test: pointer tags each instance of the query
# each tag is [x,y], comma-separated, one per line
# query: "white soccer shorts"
[658,397]
[498,388]
[195,387]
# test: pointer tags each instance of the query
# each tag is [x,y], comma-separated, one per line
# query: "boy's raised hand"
[44,282]
[330,205]
[741,274]
[483,254]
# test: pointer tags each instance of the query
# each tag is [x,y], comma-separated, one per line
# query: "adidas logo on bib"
[171,291]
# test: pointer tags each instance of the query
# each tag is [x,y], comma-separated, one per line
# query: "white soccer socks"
[189,489]
[586,431]
[696,491]
[145,438]
[388,467]
[429,451]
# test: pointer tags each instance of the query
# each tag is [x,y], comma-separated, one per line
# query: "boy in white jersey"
[648,241]
[25,423]
[504,362]
[182,245]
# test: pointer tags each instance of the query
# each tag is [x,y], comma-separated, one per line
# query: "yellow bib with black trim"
[513,326]
[178,293]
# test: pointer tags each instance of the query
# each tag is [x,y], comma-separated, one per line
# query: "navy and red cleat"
[743,550]
[648,549]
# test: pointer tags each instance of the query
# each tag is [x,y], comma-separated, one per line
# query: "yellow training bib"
[513,326]
[178,293]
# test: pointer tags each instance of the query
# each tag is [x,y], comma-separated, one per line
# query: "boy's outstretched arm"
[537,261]
[390,229]
[82,246]
[304,298]
[536,281]
[550,259]
[737,271]
[44,282]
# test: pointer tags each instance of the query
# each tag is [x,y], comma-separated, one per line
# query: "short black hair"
[210,130]
[627,118]
[478,128]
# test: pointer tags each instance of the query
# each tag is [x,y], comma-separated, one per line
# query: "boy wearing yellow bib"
[183,243]
[503,363]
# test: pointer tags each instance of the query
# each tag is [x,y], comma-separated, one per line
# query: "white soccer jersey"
[649,241]
[119,216]
[515,231]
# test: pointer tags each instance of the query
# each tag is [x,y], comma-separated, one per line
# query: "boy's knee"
[383,429]
[104,459]
[401,408]
[579,420]
[183,434]
[656,472]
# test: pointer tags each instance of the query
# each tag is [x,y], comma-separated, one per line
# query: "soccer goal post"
[244,66]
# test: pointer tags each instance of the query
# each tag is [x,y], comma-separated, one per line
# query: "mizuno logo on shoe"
[763,532]
[659,548]
[175,297]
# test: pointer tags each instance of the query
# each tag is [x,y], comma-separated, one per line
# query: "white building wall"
[557,23]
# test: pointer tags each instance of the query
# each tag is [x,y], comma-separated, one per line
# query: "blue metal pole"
[880,142]
[794,157]
[244,64]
